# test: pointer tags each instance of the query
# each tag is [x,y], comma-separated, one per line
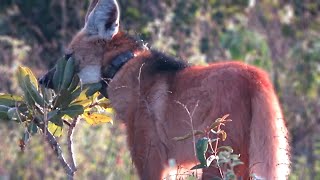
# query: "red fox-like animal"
[145,86]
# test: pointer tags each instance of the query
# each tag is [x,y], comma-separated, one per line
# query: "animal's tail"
[269,149]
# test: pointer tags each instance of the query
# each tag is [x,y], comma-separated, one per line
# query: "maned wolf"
[147,88]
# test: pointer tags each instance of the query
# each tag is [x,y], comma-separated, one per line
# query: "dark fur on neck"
[157,62]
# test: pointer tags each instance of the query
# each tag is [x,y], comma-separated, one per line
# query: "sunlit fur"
[149,101]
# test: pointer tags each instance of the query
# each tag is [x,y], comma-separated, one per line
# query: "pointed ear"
[103,20]
[93,4]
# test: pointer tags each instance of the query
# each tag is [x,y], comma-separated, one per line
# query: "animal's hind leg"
[150,168]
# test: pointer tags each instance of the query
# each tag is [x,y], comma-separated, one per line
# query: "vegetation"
[282,37]
[46,111]
[208,151]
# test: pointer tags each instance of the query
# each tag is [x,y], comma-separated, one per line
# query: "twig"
[69,142]
[56,148]
[139,79]
[191,122]
[216,151]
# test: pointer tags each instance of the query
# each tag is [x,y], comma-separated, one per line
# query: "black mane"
[161,63]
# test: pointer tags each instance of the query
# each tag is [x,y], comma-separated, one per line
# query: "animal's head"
[97,43]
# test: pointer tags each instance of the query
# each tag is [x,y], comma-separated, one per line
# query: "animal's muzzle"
[46,80]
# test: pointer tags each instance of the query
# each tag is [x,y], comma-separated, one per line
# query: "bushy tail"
[269,149]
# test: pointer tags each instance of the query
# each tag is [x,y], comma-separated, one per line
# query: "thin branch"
[56,148]
[191,122]
[216,152]
[69,143]
[139,79]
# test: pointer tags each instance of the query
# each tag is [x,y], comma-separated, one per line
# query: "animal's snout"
[46,80]
[68,55]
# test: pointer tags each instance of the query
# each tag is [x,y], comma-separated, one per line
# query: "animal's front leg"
[148,161]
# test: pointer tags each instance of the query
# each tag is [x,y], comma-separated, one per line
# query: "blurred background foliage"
[282,37]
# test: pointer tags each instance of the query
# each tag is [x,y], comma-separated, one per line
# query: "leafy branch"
[208,155]
[50,111]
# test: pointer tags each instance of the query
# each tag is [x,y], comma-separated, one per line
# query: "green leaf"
[10,100]
[32,128]
[76,95]
[54,129]
[15,114]
[72,111]
[3,112]
[58,74]
[47,94]
[234,157]
[74,84]
[236,163]
[79,96]
[93,88]
[224,157]
[29,85]
[201,149]
[33,92]
[55,117]
[23,72]
[68,74]
[225,148]
[26,137]
[230,175]
[63,99]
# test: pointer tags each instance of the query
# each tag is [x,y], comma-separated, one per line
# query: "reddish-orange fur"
[150,103]
[154,117]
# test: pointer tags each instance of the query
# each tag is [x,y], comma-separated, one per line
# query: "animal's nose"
[43,80]
[67,56]
[46,80]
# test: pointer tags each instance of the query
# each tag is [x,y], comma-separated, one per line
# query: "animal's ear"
[103,19]
[93,4]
